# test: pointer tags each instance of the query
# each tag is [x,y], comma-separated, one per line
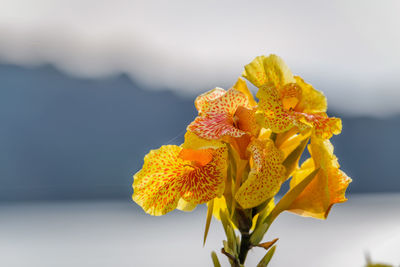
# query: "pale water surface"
[117,233]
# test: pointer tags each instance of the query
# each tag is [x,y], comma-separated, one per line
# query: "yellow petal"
[241,86]
[193,141]
[312,101]
[166,178]
[268,70]
[265,177]
[202,101]
[185,206]
[327,188]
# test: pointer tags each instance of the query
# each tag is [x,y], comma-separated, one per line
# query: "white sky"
[350,50]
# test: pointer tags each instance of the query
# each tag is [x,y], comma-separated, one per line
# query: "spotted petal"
[202,101]
[326,189]
[271,113]
[166,177]
[265,177]
[229,102]
[324,127]
[214,126]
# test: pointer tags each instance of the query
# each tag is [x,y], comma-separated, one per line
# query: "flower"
[326,189]
[181,176]
[287,101]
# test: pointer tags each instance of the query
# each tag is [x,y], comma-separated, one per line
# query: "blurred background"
[88,87]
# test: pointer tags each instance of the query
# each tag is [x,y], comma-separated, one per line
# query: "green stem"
[245,246]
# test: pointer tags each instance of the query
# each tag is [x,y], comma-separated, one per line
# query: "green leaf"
[292,160]
[215,260]
[259,233]
[208,220]
[267,258]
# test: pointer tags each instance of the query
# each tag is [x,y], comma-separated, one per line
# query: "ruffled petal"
[266,175]
[327,188]
[271,113]
[324,127]
[202,101]
[166,178]
[228,102]
[312,101]
[268,70]
[214,126]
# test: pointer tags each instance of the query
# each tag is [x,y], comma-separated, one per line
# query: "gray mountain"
[72,138]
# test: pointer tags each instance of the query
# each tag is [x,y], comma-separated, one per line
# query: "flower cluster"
[238,152]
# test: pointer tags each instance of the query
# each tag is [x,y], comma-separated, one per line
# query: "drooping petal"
[312,101]
[324,127]
[268,70]
[265,177]
[327,188]
[271,113]
[241,86]
[202,101]
[214,126]
[166,178]
[207,182]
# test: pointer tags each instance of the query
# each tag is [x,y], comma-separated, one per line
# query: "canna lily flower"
[326,189]
[265,177]
[225,113]
[181,176]
[287,101]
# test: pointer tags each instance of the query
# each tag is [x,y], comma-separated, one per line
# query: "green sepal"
[267,258]
[208,220]
[215,260]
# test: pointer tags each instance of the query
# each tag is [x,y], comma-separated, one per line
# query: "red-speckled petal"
[207,182]
[214,126]
[265,177]
[166,178]
[323,126]
[229,102]
[202,101]
[271,113]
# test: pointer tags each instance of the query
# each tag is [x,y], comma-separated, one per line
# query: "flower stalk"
[238,152]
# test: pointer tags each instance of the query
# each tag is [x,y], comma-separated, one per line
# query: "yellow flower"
[287,101]
[181,176]
[326,189]
[266,175]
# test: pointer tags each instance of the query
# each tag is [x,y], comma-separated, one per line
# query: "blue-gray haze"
[71,138]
